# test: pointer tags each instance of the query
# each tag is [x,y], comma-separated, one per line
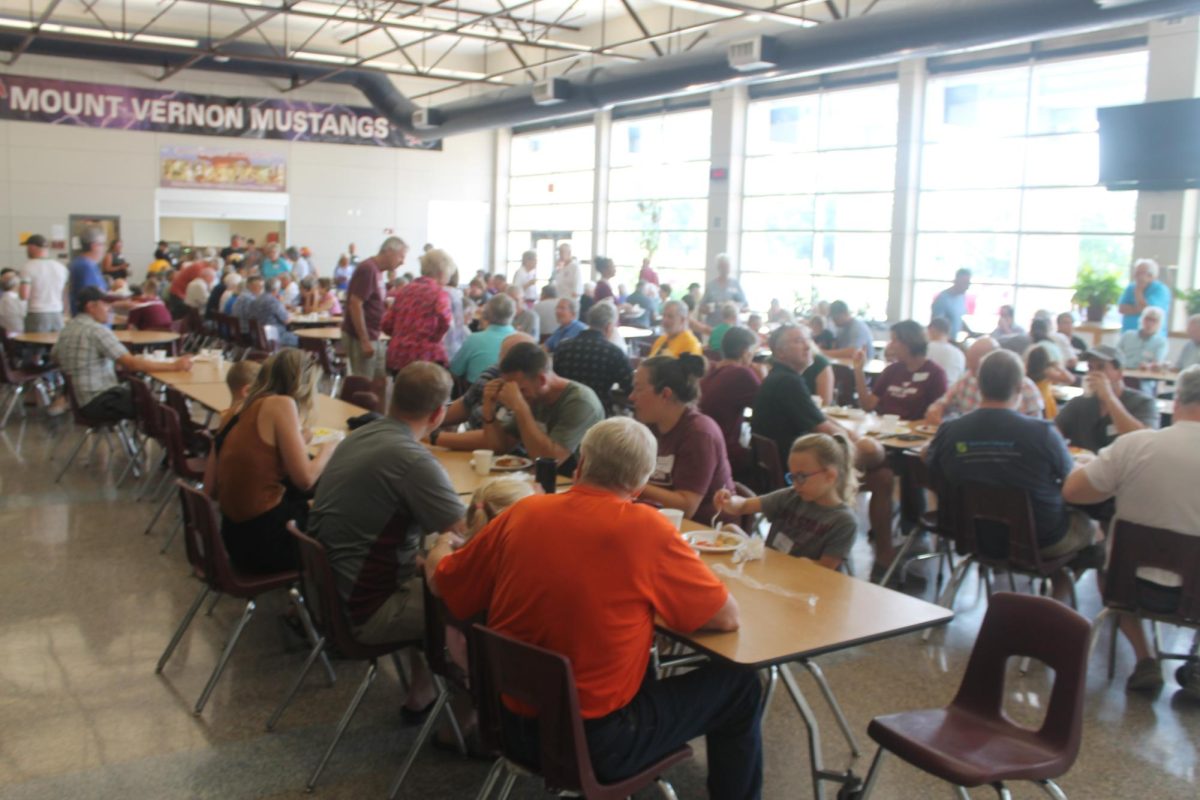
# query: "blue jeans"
[717,701]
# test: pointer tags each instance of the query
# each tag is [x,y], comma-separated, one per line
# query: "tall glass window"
[658,196]
[1008,183]
[817,207]
[552,174]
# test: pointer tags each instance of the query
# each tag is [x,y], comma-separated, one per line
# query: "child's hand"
[725,500]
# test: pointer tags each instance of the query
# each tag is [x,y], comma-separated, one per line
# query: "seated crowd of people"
[543,372]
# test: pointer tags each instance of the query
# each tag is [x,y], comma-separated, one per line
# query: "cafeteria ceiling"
[435,51]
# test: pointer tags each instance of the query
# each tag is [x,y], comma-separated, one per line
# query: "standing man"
[364,309]
[43,286]
[943,352]
[721,290]
[235,253]
[85,267]
[951,303]
[568,276]
[1145,290]
[525,278]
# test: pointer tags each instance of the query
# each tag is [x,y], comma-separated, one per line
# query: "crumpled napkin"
[749,550]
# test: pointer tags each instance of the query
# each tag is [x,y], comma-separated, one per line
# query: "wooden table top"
[776,629]
[465,480]
[123,336]
[870,424]
[633,332]
[1165,375]
[873,366]
[332,333]
[201,372]
[301,320]
[329,412]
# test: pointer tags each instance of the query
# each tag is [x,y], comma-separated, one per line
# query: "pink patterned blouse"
[417,320]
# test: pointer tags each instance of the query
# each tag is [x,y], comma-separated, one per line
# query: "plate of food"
[323,435]
[928,430]
[511,463]
[710,541]
[837,411]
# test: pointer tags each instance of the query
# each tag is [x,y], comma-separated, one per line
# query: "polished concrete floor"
[87,605]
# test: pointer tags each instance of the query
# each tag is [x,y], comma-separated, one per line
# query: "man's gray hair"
[601,315]
[274,285]
[529,255]
[499,310]
[1187,388]
[572,302]
[1152,312]
[10,282]
[92,234]
[1150,263]
[619,454]
[678,305]
[392,243]
[437,263]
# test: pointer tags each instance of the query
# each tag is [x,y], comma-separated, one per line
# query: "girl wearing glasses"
[812,518]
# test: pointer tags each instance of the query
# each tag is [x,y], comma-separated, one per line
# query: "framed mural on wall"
[188,167]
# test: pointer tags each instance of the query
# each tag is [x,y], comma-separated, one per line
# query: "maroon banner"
[94,105]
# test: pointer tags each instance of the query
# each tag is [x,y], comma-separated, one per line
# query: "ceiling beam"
[252,25]
[23,45]
[637,20]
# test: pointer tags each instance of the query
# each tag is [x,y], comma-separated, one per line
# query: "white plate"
[323,435]
[691,537]
[522,463]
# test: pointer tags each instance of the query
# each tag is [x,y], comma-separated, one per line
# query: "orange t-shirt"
[583,574]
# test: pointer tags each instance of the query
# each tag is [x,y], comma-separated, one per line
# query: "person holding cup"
[1107,408]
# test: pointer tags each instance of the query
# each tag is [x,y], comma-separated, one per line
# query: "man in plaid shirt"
[591,359]
[964,396]
[88,352]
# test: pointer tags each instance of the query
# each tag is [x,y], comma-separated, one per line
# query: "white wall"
[338,193]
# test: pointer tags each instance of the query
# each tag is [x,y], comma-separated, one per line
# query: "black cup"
[546,471]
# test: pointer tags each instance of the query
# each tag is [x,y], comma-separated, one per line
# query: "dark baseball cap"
[90,294]
[34,240]
[1103,352]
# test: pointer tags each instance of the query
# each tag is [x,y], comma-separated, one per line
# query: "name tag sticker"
[663,467]
[1111,430]
[920,376]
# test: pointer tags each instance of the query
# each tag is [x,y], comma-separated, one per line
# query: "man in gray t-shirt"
[380,491]
[1094,420]
[550,414]
[800,528]
[852,333]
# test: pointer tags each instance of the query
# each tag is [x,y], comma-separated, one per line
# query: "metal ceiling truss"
[390,16]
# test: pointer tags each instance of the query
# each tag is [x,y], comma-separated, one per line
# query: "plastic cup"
[673,514]
[889,423]
[483,461]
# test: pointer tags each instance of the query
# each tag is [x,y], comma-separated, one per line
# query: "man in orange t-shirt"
[584,574]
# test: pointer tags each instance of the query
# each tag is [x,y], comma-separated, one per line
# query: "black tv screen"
[1151,146]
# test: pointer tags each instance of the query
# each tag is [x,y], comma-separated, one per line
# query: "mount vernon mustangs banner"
[94,105]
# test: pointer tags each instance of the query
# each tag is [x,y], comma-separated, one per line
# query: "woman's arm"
[825,385]
[284,420]
[684,500]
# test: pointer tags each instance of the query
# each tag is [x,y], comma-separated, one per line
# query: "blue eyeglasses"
[798,478]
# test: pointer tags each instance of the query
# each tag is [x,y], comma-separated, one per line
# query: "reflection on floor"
[88,604]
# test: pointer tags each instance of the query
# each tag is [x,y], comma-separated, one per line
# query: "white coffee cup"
[889,423]
[856,413]
[483,461]
[161,355]
[673,514]
[818,401]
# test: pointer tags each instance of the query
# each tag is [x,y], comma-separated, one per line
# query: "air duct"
[881,37]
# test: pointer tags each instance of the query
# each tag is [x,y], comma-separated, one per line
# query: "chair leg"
[957,576]
[666,789]
[423,736]
[1002,791]
[137,454]
[1051,788]
[183,626]
[1097,623]
[318,649]
[16,393]
[872,774]
[508,786]
[961,793]
[162,506]
[213,605]
[836,707]
[74,452]
[1112,648]
[311,631]
[493,775]
[344,722]
[898,561]
[769,694]
[224,659]
[175,531]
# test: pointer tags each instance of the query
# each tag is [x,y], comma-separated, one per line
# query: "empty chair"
[184,467]
[333,627]
[543,680]
[766,459]
[210,563]
[972,742]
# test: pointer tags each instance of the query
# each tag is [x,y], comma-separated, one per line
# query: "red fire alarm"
[718,174]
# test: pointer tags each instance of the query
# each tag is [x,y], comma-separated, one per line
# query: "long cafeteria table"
[779,626]
[125,336]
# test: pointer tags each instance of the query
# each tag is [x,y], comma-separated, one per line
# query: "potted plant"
[1096,290]
[1190,298]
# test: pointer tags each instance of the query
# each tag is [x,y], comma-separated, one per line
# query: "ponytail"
[834,451]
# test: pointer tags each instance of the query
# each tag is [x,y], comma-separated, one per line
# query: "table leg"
[819,773]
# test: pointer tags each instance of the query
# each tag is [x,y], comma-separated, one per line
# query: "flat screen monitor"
[1151,146]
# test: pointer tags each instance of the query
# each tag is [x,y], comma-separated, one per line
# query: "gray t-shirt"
[856,334]
[1083,426]
[800,528]
[567,420]
[380,491]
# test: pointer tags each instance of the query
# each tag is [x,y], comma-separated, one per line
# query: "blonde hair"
[437,264]
[288,372]
[832,451]
[492,498]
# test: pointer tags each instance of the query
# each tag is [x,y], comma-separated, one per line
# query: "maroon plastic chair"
[972,741]
[766,457]
[186,468]
[333,367]
[361,384]
[146,424]
[332,625]
[844,391]
[91,427]
[18,379]
[193,432]
[1135,546]
[543,680]
[210,562]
